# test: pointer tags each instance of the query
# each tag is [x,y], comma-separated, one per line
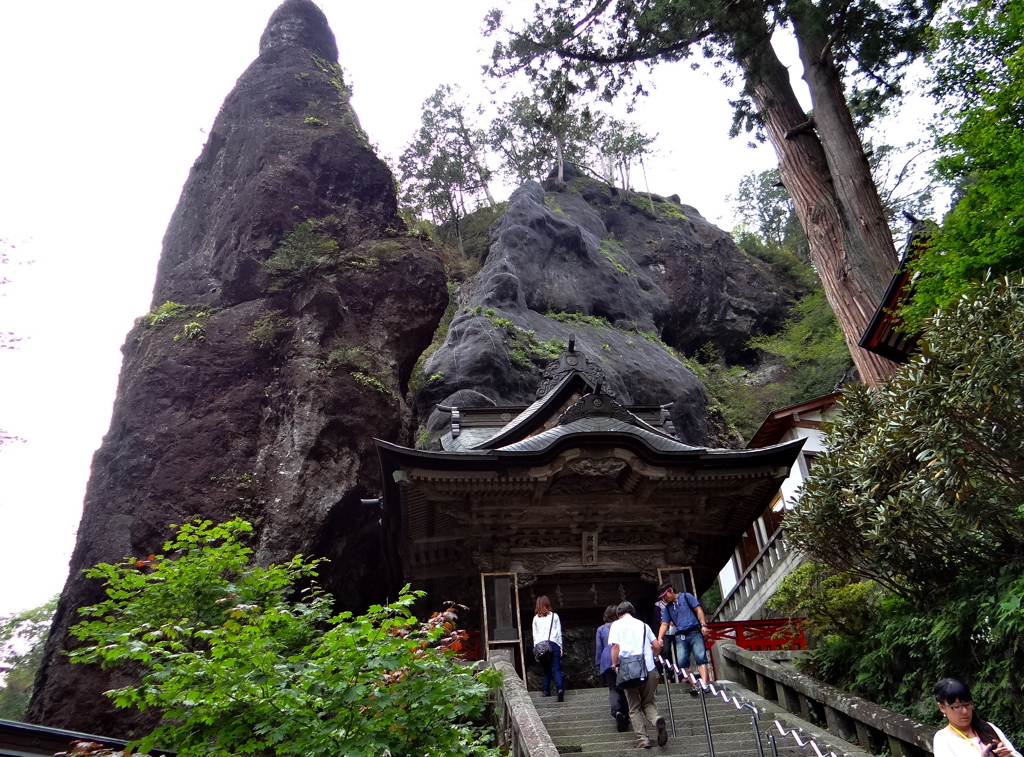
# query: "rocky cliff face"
[289,309]
[638,279]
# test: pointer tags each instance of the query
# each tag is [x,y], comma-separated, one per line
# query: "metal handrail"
[705,687]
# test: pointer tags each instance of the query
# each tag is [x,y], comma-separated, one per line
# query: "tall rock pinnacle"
[289,308]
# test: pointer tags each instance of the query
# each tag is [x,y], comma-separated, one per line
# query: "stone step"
[582,725]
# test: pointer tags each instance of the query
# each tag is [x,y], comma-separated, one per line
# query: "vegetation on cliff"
[249,660]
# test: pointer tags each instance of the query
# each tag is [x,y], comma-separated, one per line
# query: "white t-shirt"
[633,637]
[541,627]
[948,744]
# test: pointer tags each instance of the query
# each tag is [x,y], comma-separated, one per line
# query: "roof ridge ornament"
[572,360]
[597,403]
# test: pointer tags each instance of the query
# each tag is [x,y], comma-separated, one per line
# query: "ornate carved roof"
[574,482]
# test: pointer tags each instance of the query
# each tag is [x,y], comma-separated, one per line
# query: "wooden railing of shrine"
[756,636]
[755,579]
[760,635]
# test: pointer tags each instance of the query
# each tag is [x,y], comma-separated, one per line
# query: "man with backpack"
[685,612]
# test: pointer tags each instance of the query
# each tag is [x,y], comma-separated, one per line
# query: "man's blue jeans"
[690,640]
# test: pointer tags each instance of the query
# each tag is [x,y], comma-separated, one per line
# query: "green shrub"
[193,330]
[831,602]
[239,660]
[370,381]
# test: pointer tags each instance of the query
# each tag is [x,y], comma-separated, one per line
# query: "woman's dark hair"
[610,614]
[623,608]
[950,690]
[543,606]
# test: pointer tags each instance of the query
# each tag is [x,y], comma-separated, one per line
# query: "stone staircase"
[582,725]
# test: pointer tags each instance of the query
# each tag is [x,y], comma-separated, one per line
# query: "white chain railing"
[705,688]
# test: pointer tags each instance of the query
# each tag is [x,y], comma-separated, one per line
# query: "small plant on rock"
[306,250]
[166,312]
[269,329]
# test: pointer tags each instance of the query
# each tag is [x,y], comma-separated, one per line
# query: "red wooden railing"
[760,635]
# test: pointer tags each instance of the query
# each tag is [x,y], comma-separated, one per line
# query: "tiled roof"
[598,424]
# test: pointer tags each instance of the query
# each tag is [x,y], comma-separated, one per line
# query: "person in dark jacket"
[603,658]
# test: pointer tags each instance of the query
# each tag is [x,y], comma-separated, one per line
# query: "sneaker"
[662,731]
[694,692]
[561,696]
[621,721]
[643,745]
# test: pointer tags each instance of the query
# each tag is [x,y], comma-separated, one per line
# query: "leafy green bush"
[812,348]
[166,312]
[241,662]
[831,602]
[971,631]
[924,478]
[348,357]
[742,405]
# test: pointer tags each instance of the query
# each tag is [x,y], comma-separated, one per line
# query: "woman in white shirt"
[967,734]
[547,627]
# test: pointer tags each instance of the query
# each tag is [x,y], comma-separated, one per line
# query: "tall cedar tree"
[861,46]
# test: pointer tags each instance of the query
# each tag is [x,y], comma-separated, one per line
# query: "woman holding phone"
[966,734]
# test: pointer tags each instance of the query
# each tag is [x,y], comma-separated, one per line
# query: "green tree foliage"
[545,128]
[906,190]
[241,662]
[518,136]
[621,144]
[443,169]
[979,66]
[970,629]
[831,602]
[766,209]
[923,480]
[810,345]
[22,638]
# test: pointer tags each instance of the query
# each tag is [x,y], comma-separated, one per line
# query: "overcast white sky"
[106,105]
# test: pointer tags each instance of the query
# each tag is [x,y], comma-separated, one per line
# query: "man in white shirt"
[630,636]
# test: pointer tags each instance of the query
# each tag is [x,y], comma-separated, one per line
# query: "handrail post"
[668,695]
[704,706]
[754,721]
